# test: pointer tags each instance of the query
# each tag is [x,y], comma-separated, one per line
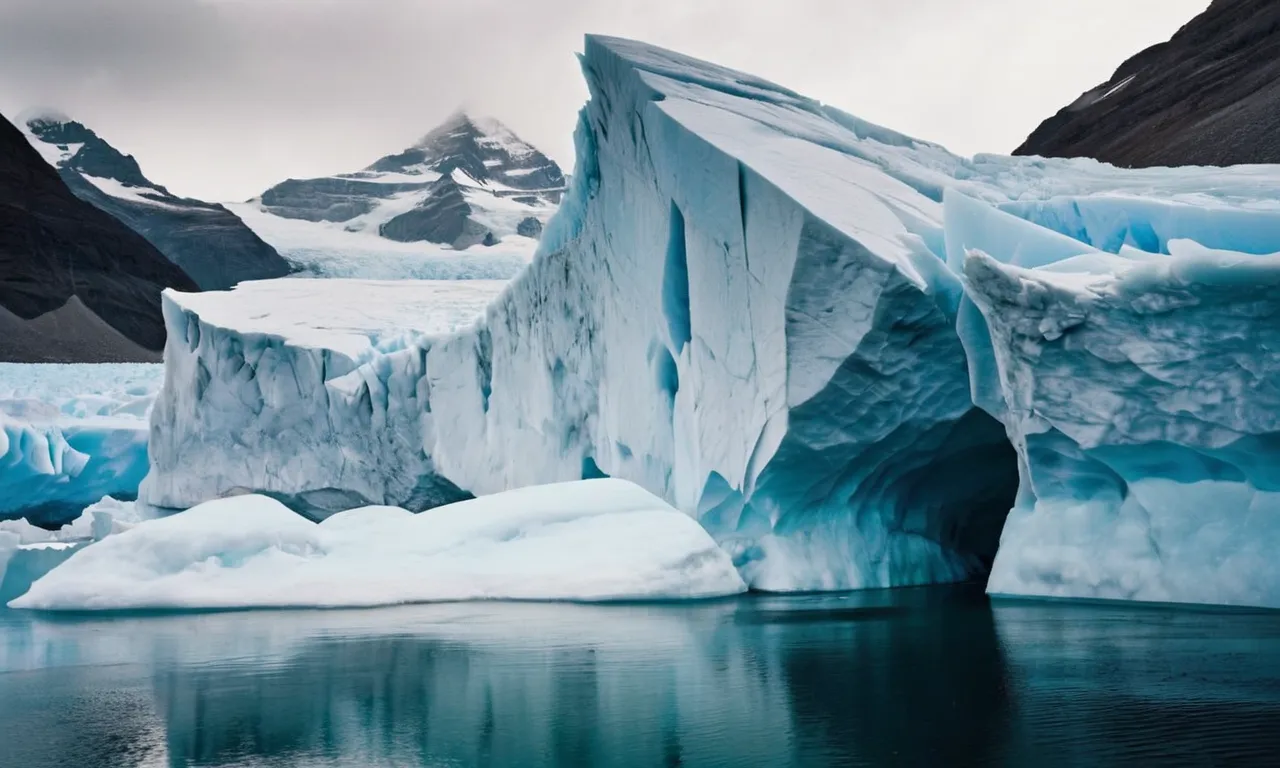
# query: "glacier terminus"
[857,359]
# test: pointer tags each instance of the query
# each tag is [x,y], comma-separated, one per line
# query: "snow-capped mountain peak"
[40,115]
[469,181]
[68,144]
[466,128]
[482,147]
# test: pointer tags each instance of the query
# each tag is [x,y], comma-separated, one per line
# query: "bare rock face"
[529,227]
[76,284]
[1208,96]
[207,241]
[470,181]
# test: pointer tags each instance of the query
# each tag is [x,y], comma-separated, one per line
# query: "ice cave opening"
[924,505]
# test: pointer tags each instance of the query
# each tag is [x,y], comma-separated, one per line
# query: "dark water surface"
[928,677]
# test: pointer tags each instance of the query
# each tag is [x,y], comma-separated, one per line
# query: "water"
[929,677]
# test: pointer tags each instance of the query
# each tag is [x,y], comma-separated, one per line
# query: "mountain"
[207,241]
[76,285]
[470,181]
[1208,96]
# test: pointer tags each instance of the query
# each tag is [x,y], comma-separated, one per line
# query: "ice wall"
[308,390]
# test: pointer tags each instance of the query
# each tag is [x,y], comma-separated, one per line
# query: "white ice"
[353,318]
[590,540]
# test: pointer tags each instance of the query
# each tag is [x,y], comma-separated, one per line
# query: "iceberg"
[776,317]
[590,540]
[684,330]
[71,434]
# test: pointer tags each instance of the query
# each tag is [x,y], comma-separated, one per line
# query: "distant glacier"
[847,352]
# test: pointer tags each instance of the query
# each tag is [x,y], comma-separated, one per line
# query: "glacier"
[591,540]
[71,434]
[846,352]
[327,249]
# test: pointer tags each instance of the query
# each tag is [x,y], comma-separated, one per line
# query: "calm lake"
[919,677]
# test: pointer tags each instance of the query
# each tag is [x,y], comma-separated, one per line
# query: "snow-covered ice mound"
[71,434]
[589,540]
[754,306]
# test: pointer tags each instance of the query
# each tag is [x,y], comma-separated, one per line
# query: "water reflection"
[930,677]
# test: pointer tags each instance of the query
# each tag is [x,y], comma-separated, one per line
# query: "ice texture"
[590,540]
[764,310]
[306,389]
[1141,394]
[71,434]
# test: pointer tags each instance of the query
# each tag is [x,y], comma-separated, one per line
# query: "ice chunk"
[71,434]
[1145,410]
[587,540]
[742,299]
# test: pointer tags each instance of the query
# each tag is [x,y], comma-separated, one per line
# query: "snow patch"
[128,192]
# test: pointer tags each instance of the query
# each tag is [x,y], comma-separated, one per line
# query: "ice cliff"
[847,352]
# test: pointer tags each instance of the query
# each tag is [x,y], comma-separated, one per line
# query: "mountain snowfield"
[856,359]
[468,200]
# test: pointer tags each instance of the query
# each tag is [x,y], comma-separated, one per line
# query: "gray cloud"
[222,98]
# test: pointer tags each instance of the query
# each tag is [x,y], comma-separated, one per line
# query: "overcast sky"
[220,99]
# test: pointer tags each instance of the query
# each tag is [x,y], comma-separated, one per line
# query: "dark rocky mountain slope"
[76,284]
[1208,96]
[207,241]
